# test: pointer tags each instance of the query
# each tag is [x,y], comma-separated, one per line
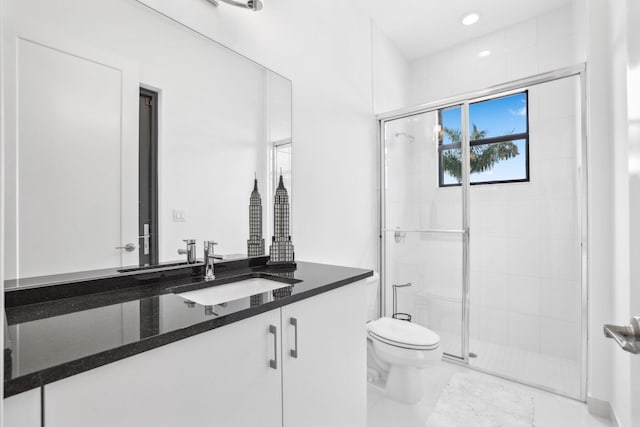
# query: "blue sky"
[500,116]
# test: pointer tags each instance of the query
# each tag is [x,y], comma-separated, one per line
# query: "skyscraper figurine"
[281,249]
[255,244]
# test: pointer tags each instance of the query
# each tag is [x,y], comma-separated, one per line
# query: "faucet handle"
[209,247]
[190,251]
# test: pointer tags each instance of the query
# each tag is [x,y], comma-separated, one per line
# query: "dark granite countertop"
[58,331]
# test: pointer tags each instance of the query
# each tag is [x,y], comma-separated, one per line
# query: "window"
[498,146]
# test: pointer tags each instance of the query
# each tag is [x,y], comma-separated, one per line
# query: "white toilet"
[399,350]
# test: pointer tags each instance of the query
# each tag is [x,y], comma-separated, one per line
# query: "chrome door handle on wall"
[274,362]
[294,322]
[129,247]
[627,336]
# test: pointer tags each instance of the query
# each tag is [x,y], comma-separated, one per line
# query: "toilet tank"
[373,298]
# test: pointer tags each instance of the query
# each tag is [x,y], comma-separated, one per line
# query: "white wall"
[326,50]
[390,74]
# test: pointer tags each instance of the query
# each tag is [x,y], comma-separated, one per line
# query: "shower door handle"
[627,336]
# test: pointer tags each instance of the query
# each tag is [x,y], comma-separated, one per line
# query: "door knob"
[129,247]
[627,336]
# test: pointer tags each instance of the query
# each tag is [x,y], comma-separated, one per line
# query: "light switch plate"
[179,215]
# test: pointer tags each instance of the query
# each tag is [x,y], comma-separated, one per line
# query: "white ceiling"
[421,27]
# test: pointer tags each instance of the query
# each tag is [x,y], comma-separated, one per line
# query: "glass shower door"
[526,320]
[423,236]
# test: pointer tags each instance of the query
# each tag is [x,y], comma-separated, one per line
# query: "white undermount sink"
[232,291]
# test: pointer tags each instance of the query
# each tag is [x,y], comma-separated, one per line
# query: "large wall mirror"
[112,110]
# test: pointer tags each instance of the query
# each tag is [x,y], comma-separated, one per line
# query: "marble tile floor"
[549,410]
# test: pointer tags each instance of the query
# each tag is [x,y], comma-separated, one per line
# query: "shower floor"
[555,373]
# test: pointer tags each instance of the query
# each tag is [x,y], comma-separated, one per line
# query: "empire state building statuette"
[281,250]
[255,244]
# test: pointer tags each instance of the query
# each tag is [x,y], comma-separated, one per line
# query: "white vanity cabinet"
[217,378]
[324,383]
[225,377]
[22,410]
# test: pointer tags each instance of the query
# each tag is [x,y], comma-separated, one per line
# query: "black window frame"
[485,141]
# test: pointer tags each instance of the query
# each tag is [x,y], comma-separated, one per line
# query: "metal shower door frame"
[463,100]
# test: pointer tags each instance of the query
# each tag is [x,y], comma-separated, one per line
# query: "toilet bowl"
[400,350]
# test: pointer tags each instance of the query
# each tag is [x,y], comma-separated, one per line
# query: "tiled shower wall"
[544,43]
[525,240]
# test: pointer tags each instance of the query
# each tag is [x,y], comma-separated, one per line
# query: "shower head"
[254,5]
[409,136]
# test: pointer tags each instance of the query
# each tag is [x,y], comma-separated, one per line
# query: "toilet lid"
[403,334]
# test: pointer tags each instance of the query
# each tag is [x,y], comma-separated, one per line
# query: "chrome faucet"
[190,252]
[208,259]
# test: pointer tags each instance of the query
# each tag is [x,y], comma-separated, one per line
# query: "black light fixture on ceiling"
[254,5]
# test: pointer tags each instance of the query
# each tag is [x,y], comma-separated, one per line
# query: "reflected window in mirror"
[282,164]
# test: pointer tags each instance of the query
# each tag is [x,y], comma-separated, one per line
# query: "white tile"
[563,95]
[561,260]
[554,138]
[441,67]
[475,319]
[560,339]
[524,295]
[490,218]
[495,255]
[561,300]
[494,42]
[522,63]
[524,332]
[446,316]
[464,72]
[475,251]
[560,219]
[558,178]
[495,291]
[521,35]
[494,326]
[525,257]
[558,53]
[556,24]
[492,70]
[525,218]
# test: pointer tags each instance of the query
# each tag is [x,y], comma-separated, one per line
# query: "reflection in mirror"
[127,132]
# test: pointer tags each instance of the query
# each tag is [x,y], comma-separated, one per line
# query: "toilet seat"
[400,333]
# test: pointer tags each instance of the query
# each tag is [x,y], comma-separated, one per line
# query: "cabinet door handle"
[294,322]
[274,362]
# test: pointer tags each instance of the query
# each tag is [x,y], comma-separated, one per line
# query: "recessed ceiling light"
[484,53]
[470,18]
